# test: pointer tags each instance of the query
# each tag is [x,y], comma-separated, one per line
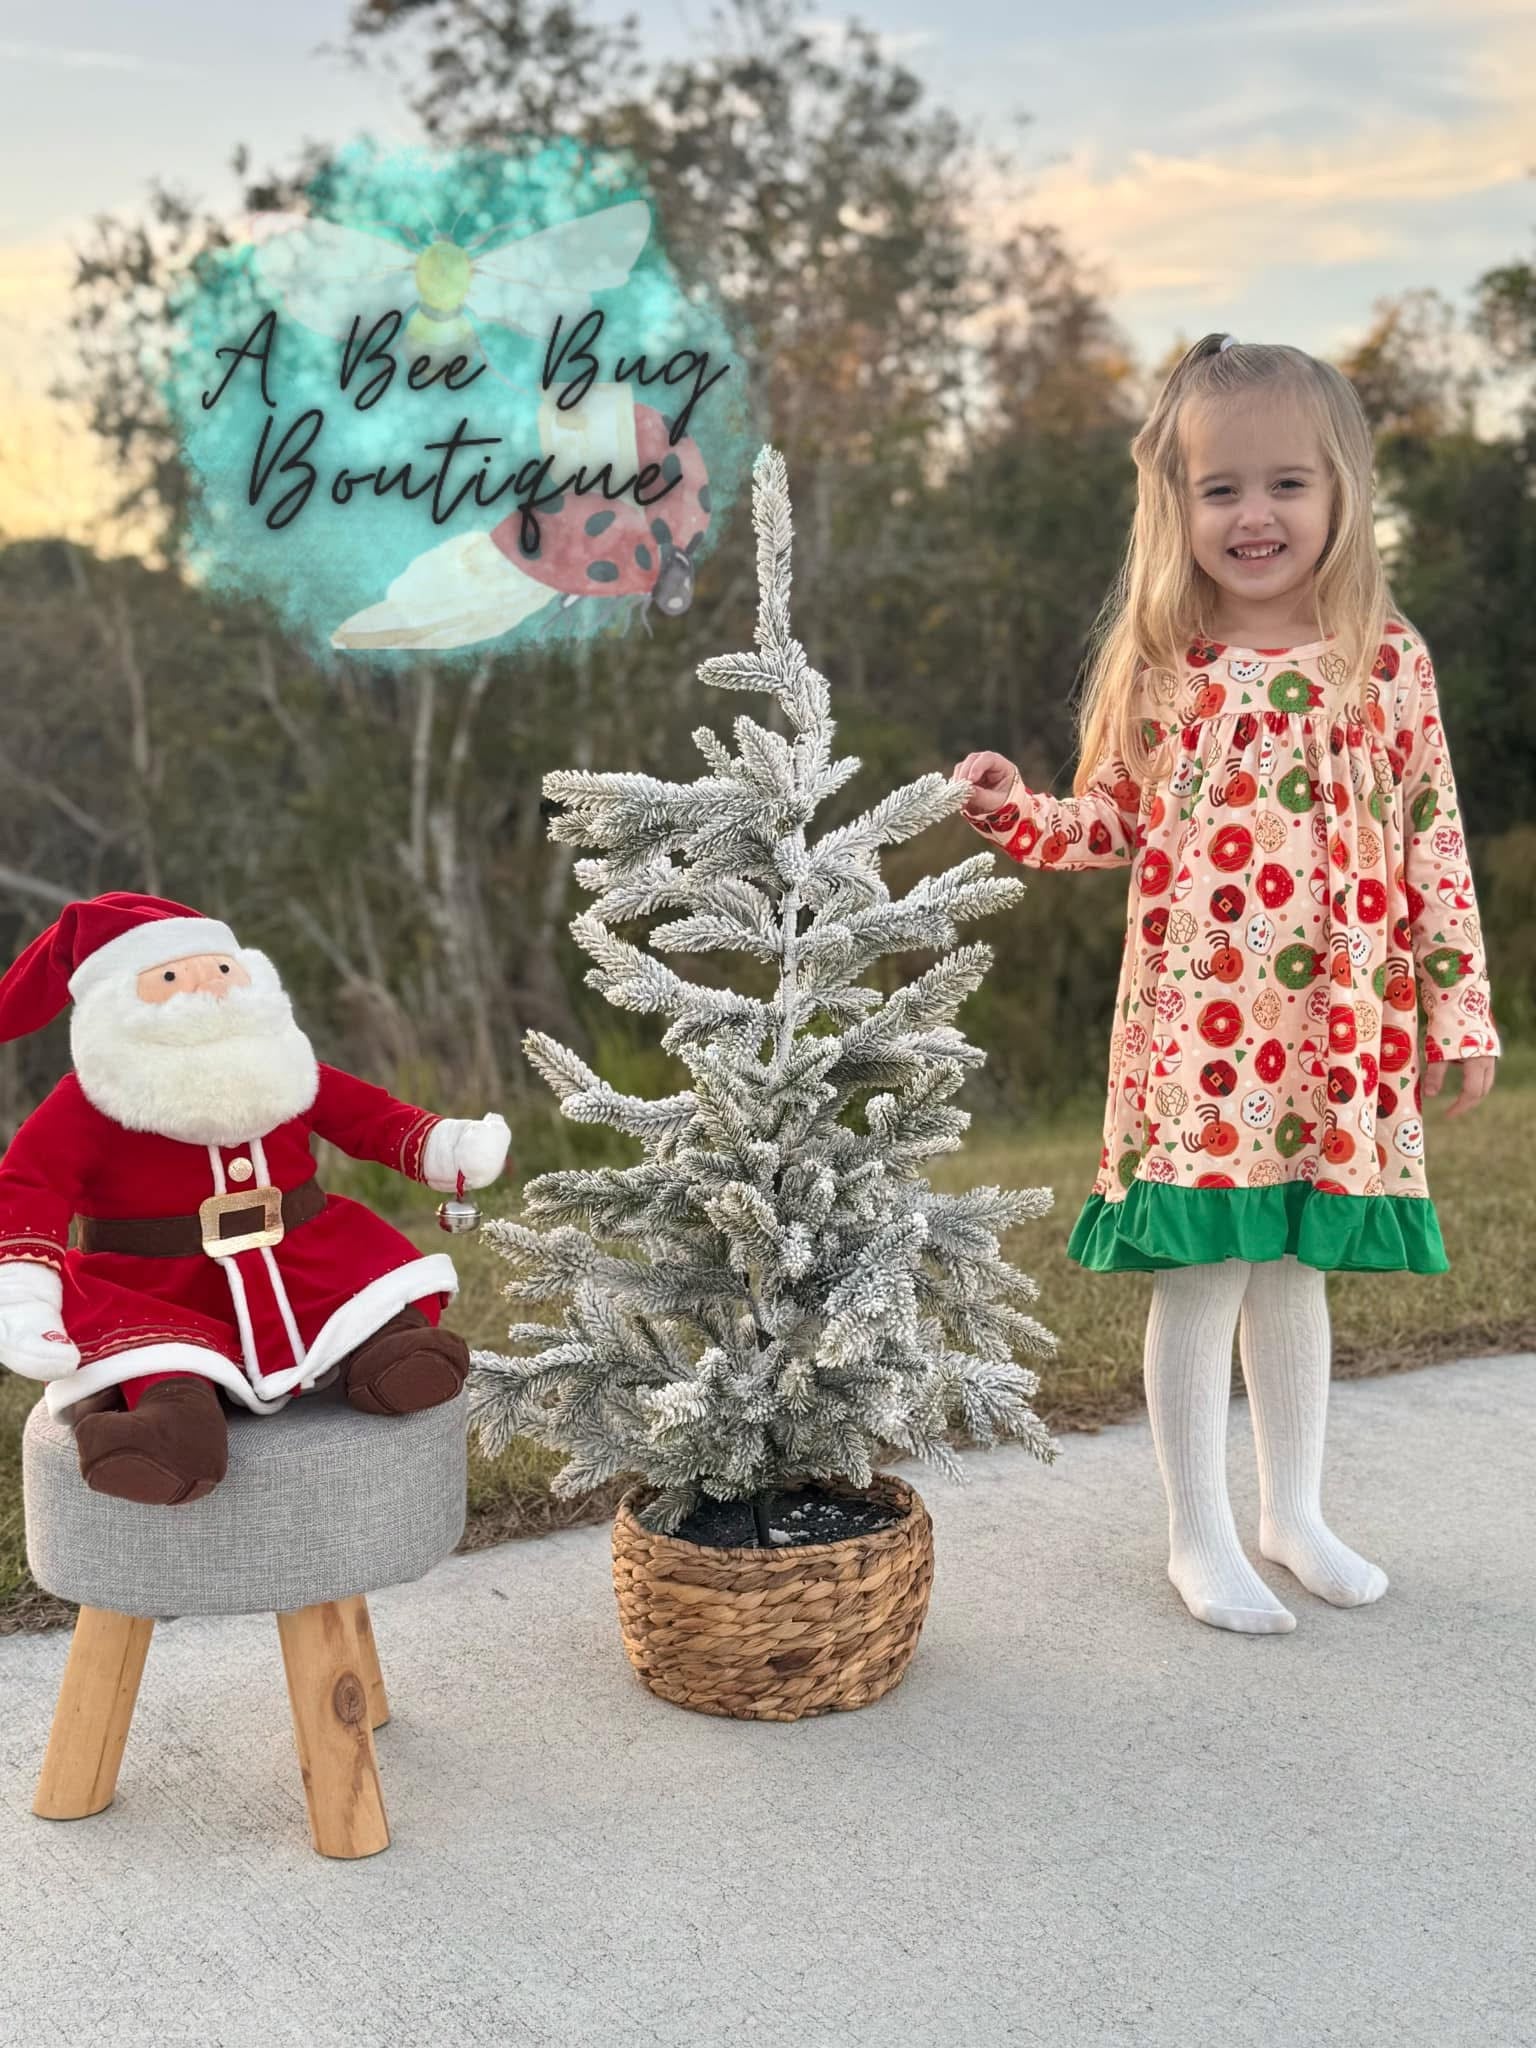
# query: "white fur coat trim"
[265,1393]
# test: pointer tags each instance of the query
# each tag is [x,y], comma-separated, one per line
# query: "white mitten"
[33,1340]
[459,1145]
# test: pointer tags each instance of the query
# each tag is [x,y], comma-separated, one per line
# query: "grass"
[1386,1322]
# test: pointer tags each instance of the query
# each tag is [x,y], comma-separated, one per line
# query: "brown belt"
[244,1213]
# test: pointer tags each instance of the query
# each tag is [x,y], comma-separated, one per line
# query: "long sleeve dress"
[1300,903]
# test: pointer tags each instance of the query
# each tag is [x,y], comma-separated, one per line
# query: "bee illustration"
[330,276]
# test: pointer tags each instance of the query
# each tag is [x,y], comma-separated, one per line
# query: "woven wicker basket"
[774,1635]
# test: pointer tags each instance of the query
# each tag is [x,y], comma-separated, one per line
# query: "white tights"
[1281,1315]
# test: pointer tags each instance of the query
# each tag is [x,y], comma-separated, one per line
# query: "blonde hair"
[1162,599]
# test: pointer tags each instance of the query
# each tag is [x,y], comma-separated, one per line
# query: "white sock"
[1286,1350]
[1188,1373]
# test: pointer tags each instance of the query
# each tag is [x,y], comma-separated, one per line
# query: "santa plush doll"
[210,1268]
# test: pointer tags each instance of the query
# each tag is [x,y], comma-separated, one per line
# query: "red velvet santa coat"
[340,1276]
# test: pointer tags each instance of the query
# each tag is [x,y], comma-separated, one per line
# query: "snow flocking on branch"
[774,1293]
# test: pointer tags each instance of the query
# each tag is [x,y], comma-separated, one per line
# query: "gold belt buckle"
[210,1212]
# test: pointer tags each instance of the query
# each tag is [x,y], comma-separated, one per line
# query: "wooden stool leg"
[90,1722]
[330,1724]
[368,1658]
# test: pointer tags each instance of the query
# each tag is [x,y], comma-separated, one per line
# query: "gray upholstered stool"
[320,1506]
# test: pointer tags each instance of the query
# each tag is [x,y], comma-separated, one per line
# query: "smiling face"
[1258,501]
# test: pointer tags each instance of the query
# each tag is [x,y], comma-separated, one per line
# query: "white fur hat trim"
[153,944]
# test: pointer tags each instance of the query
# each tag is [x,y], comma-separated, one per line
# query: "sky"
[1272,172]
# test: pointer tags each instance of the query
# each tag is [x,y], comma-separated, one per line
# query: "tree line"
[955,421]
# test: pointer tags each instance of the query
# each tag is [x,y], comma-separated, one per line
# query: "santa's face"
[212,974]
[203,1048]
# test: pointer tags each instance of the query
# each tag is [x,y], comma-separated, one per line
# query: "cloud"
[1212,220]
[834,31]
[62,57]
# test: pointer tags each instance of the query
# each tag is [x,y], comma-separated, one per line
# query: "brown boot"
[405,1366]
[171,1449]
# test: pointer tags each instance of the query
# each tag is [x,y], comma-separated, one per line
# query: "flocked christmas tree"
[774,1293]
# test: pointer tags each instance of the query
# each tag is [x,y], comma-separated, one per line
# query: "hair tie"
[1228,341]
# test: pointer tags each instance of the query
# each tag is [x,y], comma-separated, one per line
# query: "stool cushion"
[319,1503]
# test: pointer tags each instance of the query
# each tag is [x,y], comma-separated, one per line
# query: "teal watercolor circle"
[404,231]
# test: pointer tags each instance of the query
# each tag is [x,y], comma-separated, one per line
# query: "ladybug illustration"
[587,547]
[1220,1023]
[476,586]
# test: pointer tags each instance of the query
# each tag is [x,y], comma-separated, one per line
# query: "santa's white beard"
[209,1070]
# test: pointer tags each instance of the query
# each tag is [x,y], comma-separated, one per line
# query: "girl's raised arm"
[1094,830]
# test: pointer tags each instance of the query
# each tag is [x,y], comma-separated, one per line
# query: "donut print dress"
[1301,909]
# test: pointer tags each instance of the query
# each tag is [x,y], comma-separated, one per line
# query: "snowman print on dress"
[1259,1109]
[1410,1138]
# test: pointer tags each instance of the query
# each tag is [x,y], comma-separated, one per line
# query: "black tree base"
[807,1515]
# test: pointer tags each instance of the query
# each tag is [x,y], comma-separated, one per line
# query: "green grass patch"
[1385,1322]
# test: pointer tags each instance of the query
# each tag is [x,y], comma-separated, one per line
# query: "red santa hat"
[116,934]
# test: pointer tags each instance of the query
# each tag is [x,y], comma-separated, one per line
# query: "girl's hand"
[990,776]
[1476,1080]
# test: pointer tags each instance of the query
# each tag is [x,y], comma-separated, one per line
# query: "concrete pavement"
[1083,1818]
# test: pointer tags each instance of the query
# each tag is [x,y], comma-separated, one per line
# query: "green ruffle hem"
[1159,1225]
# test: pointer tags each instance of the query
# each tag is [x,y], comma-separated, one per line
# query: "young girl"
[1261,743]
